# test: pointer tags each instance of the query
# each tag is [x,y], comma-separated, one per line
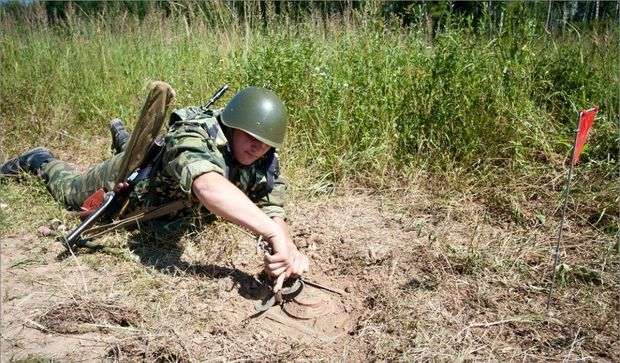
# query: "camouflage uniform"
[195,144]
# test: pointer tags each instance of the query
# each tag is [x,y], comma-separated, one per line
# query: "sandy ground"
[415,279]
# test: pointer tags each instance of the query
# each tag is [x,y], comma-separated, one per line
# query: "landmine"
[315,313]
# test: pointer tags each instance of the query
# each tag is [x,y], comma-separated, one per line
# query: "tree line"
[553,15]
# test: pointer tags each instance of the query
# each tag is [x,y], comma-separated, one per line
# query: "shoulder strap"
[273,170]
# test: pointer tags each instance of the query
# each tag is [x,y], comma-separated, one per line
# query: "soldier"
[224,160]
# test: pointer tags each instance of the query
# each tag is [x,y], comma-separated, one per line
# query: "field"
[427,168]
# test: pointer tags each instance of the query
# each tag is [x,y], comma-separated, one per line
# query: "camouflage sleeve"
[190,152]
[273,203]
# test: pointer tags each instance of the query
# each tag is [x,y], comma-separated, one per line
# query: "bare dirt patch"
[76,317]
[149,349]
[420,278]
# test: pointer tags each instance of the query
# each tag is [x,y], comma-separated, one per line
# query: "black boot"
[120,135]
[30,162]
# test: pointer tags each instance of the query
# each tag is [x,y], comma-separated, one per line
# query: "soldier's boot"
[30,162]
[120,135]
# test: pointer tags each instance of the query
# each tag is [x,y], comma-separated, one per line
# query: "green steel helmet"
[260,113]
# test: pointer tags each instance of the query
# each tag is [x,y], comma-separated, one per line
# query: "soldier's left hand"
[120,186]
[300,265]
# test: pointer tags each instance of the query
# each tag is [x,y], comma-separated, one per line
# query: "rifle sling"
[135,217]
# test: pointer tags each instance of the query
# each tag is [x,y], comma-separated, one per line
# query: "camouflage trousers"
[72,188]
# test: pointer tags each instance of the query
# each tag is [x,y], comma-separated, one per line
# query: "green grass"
[369,100]
[27,205]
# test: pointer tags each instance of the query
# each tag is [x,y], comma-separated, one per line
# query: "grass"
[15,217]
[461,101]
[369,101]
[471,131]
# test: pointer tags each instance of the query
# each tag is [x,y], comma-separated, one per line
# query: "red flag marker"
[586,119]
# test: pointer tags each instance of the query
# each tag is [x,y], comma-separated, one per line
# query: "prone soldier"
[224,160]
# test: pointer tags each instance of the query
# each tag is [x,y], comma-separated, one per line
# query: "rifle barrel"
[216,96]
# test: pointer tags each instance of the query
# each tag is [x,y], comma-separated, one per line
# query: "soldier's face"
[246,148]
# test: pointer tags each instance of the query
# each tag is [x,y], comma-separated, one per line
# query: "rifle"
[112,200]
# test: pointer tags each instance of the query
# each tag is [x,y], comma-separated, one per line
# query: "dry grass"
[435,278]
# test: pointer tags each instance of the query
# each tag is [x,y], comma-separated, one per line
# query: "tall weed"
[369,98]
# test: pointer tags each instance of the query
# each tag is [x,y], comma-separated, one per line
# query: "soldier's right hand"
[278,266]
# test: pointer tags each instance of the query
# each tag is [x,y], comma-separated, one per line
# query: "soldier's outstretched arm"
[224,199]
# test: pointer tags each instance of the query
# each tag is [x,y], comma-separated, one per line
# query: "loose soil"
[419,278]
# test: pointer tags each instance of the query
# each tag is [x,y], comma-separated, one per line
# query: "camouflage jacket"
[196,144]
